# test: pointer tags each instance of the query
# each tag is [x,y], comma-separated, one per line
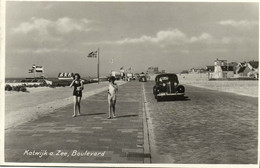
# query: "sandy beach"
[25,106]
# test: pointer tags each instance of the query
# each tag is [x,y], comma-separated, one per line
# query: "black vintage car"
[142,79]
[167,85]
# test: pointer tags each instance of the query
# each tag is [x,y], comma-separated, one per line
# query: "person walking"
[77,83]
[112,91]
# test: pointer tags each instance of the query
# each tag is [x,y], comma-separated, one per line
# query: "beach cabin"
[65,76]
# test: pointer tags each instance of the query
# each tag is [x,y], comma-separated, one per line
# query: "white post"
[98,65]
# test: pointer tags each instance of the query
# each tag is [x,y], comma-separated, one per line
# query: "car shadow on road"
[129,115]
[92,114]
[185,98]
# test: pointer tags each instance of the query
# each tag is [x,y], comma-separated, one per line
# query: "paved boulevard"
[210,127]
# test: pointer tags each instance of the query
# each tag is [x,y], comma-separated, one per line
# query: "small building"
[221,70]
[247,69]
[234,65]
[152,70]
[210,69]
[65,76]
[184,72]
[253,65]
[197,70]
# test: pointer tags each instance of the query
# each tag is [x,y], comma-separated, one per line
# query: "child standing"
[77,83]
[112,90]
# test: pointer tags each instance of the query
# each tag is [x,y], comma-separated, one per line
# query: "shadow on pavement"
[130,115]
[92,114]
[185,98]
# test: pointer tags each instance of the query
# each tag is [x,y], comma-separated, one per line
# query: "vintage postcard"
[130,83]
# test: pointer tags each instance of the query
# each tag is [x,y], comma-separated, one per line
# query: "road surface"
[210,127]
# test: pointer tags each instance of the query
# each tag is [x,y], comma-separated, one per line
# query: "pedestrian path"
[23,107]
[89,138]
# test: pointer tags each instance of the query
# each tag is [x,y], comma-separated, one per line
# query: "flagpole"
[43,72]
[98,65]
[34,71]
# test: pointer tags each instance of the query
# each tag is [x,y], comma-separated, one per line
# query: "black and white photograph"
[130,83]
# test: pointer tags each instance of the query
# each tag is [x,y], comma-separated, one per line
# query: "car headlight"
[175,84]
[164,84]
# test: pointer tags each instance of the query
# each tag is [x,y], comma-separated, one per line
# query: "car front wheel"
[180,89]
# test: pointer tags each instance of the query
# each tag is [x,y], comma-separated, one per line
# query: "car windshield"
[171,78]
[164,78]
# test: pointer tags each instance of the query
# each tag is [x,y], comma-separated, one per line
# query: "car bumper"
[170,94]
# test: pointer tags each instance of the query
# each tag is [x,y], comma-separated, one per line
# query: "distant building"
[184,72]
[152,70]
[65,76]
[234,65]
[253,65]
[247,69]
[197,70]
[218,62]
[220,70]
[210,68]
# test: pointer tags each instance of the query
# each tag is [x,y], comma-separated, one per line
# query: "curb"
[147,148]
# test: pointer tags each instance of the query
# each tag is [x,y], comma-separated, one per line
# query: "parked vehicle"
[130,76]
[116,74]
[167,85]
[142,79]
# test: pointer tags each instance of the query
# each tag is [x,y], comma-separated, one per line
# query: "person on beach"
[112,91]
[77,92]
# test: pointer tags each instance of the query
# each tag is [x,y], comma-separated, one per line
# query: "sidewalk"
[89,138]
[23,107]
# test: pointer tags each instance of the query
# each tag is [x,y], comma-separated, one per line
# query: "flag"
[39,68]
[33,67]
[129,69]
[121,68]
[93,54]
[30,71]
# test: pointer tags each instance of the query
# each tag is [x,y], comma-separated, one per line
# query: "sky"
[172,36]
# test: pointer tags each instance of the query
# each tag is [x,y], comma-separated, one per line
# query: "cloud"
[39,25]
[66,25]
[45,27]
[225,40]
[239,24]
[45,50]
[203,37]
[163,38]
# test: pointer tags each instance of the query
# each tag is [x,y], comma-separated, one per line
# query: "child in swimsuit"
[112,90]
